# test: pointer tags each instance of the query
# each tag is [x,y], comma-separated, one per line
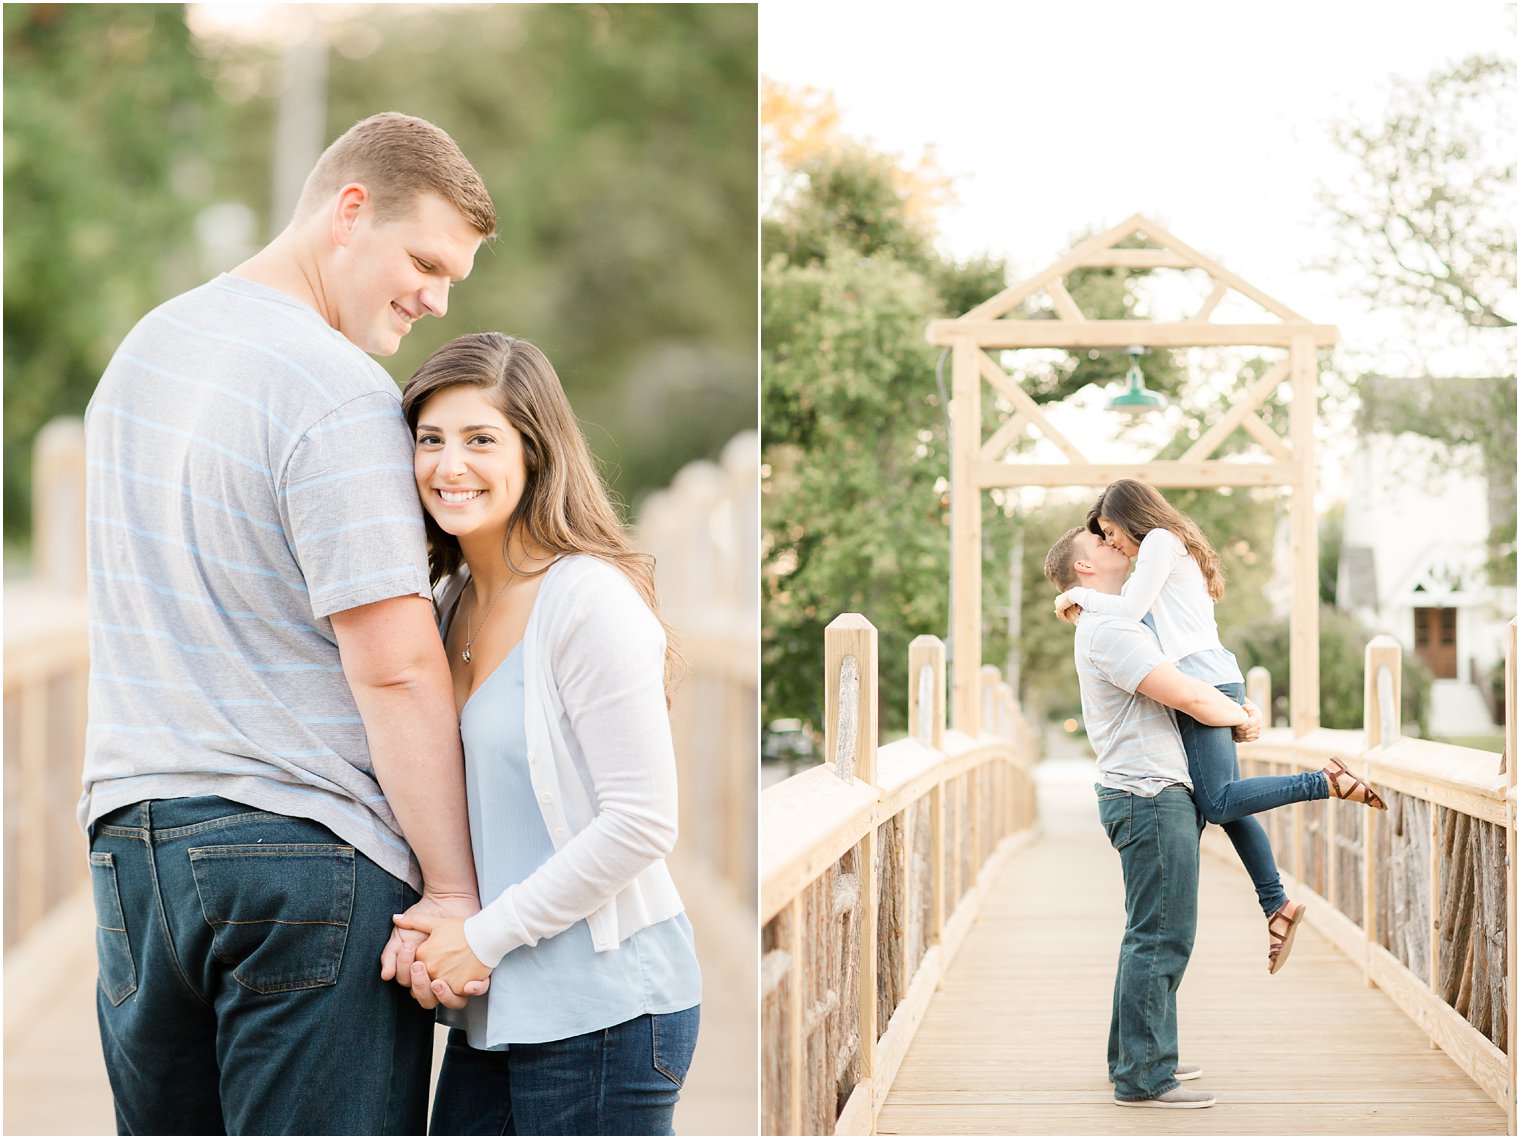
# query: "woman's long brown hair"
[1138,508]
[565,506]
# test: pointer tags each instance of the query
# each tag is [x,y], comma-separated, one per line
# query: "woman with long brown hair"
[561,668]
[1175,581]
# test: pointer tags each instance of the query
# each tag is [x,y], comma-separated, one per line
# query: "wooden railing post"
[1512,881]
[926,691]
[58,477]
[990,679]
[1382,712]
[850,705]
[1381,718]
[1259,692]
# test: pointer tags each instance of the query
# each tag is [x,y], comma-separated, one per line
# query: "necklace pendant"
[465,656]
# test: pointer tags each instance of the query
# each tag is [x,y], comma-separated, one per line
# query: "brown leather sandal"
[1359,792]
[1281,928]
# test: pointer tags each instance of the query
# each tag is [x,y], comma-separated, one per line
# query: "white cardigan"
[1167,584]
[600,759]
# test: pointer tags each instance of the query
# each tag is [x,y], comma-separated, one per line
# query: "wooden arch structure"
[979,463]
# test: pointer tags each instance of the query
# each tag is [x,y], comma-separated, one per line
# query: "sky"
[1055,119]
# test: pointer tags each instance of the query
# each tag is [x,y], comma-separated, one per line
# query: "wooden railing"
[1430,916]
[704,533]
[46,675]
[871,873]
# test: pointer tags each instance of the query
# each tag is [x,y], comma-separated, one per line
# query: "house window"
[1435,641]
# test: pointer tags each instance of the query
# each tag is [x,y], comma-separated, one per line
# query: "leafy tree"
[618,143]
[1427,218]
[112,131]
[854,507]
[1426,223]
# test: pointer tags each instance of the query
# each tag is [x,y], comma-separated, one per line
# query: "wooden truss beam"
[1122,333]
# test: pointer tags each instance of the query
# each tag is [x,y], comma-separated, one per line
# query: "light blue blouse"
[560,987]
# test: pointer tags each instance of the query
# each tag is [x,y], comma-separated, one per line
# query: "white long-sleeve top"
[1168,584]
[600,760]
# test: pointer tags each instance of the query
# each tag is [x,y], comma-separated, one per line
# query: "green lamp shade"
[1137,399]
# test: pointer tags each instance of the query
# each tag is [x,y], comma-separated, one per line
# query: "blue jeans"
[240,987]
[1229,801]
[1157,841]
[622,1080]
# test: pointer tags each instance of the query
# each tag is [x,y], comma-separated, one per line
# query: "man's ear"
[1083,566]
[348,206]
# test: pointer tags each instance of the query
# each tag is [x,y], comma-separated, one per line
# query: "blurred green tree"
[618,142]
[111,136]
[1425,222]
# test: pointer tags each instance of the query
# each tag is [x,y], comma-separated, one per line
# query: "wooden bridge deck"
[55,1079]
[1014,1043]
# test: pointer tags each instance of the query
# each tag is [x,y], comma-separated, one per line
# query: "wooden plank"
[1014,1041]
[795,997]
[1065,307]
[1032,411]
[1268,438]
[965,540]
[1137,259]
[1474,1054]
[1512,878]
[1161,237]
[1211,302]
[1122,333]
[1303,620]
[1210,440]
[850,696]
[806,825]
[857,1118]
[1163,473]
[1000,440]
[995,306]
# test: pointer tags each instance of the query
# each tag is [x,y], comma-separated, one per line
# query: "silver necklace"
[469,638]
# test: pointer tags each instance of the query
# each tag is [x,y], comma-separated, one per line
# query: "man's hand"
[446,954]
[1251,729]
[399,955]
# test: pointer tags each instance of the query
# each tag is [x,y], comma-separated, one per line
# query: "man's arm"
[1203,702]
[394,662]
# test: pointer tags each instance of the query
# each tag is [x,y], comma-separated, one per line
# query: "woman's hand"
[446,954]
[1065,609]
[1250,730]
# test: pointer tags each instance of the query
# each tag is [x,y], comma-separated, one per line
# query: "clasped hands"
[429,954]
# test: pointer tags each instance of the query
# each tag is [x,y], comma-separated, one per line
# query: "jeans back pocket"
[279,911]
[118,975]
[1114,809]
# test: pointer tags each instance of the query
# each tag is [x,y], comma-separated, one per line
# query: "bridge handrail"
[1422,898]
[851,959]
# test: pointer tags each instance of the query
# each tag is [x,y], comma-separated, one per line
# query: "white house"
[1413,565]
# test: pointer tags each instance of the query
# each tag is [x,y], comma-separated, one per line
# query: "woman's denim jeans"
[1157,841]
[622,1080]
[1229,801]
[240,987]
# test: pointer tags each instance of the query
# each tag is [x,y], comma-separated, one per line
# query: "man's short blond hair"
[1060,563]
[398,158]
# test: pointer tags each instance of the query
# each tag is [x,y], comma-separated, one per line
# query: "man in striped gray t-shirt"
[273,764]
[1147,809]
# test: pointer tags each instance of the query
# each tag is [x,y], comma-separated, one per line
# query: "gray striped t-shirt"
[1135,737]
[250,474]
